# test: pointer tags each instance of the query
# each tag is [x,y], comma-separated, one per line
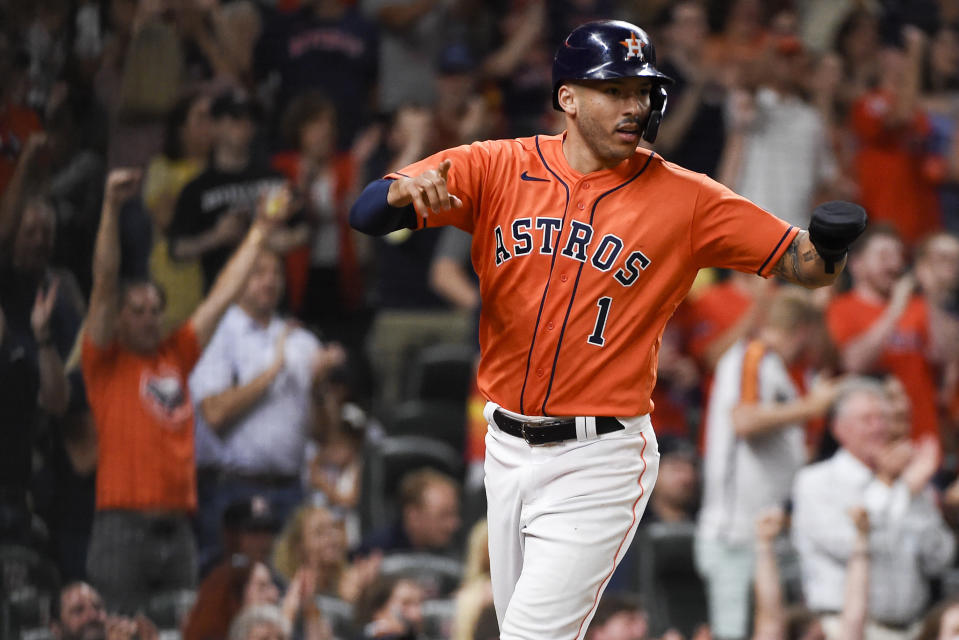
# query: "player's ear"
[566,96]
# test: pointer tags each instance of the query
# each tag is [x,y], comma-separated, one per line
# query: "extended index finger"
[444,168]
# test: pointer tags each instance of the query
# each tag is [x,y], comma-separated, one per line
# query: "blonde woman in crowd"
[476,590]
[312,548]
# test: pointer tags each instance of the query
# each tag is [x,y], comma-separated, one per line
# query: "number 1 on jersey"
[597,335]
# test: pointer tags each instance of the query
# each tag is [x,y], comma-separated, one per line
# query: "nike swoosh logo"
[530,178]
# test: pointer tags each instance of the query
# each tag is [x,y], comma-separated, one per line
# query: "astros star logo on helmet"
[634,47]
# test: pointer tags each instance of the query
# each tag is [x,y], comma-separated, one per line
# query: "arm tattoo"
[788,266]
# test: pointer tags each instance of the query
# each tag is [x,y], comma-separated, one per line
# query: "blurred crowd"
[224,414]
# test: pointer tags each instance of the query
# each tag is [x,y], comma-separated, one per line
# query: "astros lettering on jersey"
[579,273]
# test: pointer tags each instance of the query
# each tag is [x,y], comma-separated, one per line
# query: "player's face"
[610,114]
[82,616]
[139,320]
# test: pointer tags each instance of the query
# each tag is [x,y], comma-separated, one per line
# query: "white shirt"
[786,157]
[909,540]
[271,437]
[744,476]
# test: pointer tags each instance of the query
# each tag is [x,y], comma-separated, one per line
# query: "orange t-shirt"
[579,273]
[16,125]
[889,168]
[850,315]
[712,314]
[144,417]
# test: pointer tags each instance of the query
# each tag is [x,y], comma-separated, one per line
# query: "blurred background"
[356,511]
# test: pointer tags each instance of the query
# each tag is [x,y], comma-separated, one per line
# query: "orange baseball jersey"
[579,273]
[144,419]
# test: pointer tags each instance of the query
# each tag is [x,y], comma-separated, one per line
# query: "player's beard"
[603,140]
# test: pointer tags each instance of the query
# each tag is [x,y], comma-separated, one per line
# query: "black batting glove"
[833,227]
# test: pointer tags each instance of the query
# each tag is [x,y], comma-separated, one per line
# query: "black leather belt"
[547,431]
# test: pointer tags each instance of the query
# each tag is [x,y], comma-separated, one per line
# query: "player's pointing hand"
[427,191]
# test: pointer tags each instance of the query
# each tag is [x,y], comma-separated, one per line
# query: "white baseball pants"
[561,516]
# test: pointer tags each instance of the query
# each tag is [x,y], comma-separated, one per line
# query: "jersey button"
[586,185]
[580,206]
[549,326]
[563,277]
[540,372]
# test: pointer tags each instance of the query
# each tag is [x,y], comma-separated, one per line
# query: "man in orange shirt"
[892,131]
[136,384]
[584,245]
[883,325]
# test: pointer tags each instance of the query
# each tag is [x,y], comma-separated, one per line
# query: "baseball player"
[584,245]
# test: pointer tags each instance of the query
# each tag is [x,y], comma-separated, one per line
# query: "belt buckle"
[535,434]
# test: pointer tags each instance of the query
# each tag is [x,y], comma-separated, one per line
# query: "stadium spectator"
[940,81]
[324,279]
[313,544]
[42,308]
[891,132]
[618,618]
[253,388]
[856,42]
[429,516]
[214,209]
[942,622]
[17,120]
[520,67]
[327,45]
[475,592]
[249,528]
[335,464]
[187,141]
[263,622]
[876,468]
[409,315]
[778,152]
[412,36]
[79,614]
[391,609]
[755,444]
[235,585]
[694,134]
[136,383]
[883,326]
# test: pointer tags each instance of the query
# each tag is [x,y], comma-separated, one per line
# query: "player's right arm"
[121,185]
[391,204]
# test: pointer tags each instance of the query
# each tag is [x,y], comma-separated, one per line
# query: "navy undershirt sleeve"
[373,215]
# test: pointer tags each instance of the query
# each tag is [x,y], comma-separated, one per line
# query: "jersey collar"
[551,148]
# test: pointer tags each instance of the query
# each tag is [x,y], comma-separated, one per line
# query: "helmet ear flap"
[657,106]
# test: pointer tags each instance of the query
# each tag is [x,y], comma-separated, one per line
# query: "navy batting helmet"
[608,49]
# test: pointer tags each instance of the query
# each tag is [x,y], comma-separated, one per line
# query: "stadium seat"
[339,613]
[438,419]
[669,585]
[439,575]
[438,618]
[28,584]
[441,372]
[386,461]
